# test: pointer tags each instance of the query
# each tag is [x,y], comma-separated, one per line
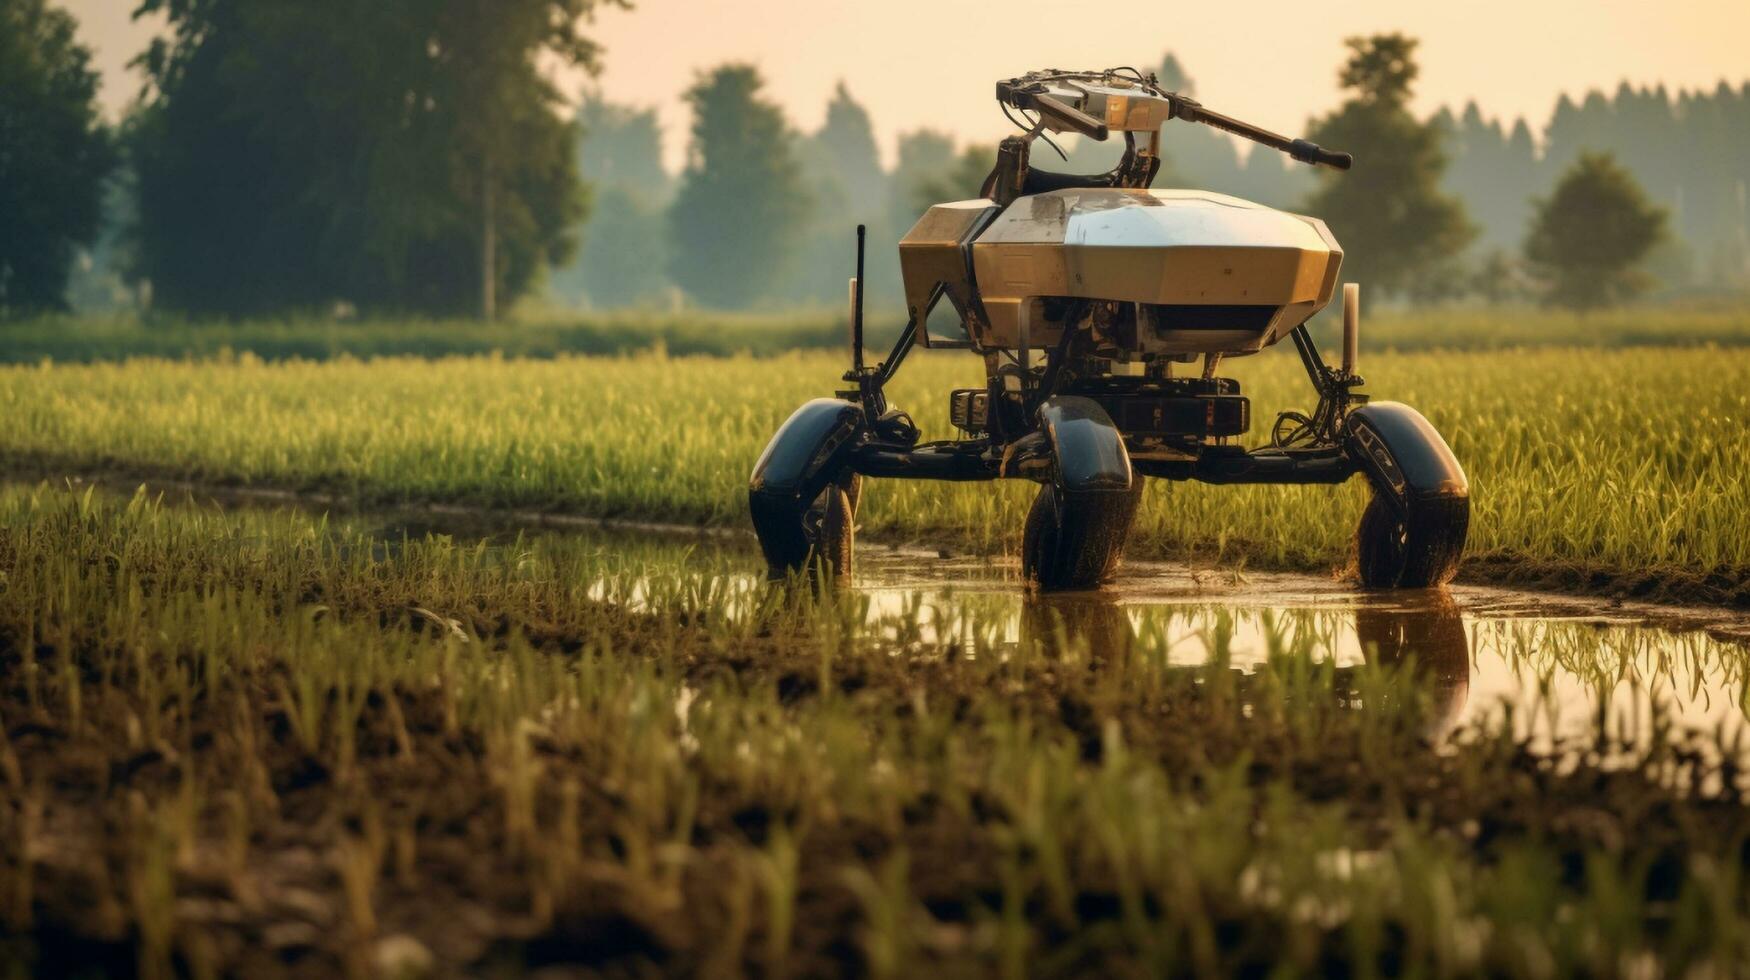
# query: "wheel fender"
[1403,455]
[807,452]
[809,444]
[1090,452]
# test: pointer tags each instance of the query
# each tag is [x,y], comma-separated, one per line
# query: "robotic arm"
[1094,103]
[1305,151]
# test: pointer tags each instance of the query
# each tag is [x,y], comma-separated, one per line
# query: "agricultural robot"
[1091,299]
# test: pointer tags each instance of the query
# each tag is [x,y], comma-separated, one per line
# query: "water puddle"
[1555,667]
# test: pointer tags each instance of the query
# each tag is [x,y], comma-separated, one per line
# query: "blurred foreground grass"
[242,743]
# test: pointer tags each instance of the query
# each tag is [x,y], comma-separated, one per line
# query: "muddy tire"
[795,540]
[1075,540]
[854,490]
[1416,552]
[835,540]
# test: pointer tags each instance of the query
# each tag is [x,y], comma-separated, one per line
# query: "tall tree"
[734,224]
[621,146]
[1394,221]
[623,257]
[55,155]
[845,143]
[923,156]
[400,155]
[98,282]
[1492,170]
[1690,151]
[961,180]
[1590,236]
[841,171]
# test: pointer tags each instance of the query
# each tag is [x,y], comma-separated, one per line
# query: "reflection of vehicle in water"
[1081,292]
[1430,635]
[1088,622]
[1425,635]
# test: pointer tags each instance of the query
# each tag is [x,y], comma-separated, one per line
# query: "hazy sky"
[932,62]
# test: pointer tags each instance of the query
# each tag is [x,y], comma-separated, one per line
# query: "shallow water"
[1554,665]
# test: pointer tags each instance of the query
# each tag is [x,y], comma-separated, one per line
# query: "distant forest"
[762,214]
[1690,150]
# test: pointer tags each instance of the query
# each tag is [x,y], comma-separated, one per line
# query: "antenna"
[1351,325]
[857,306]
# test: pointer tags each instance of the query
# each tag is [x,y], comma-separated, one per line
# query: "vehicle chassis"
[1066,441]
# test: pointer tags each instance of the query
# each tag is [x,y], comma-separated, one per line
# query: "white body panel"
[1185,254]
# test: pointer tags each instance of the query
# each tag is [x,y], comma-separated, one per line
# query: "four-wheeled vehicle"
[1084,294]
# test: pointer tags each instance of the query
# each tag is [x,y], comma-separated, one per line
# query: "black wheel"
[1415,551]
[833,520]
[1075,540]
[854,490]
[794,538]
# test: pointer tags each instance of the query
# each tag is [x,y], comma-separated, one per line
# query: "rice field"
[552,333]
[1619,465]
[1506,328]
[266,742]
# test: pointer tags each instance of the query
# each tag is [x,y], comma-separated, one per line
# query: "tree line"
[399,156]
[414,157]
[1418,218]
